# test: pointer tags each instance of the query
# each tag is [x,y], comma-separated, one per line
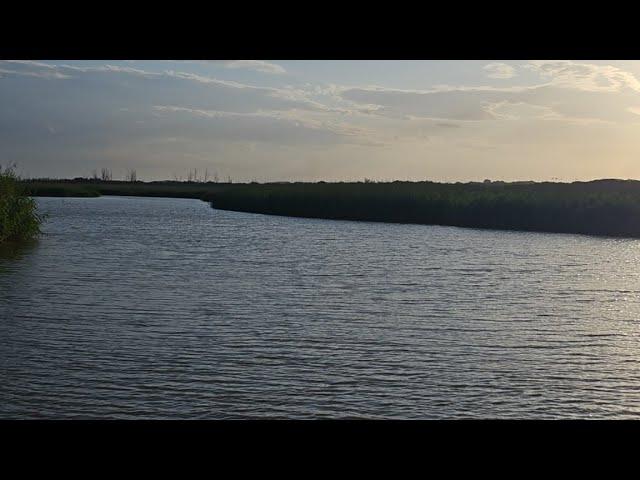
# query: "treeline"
[603,207]
[19,218]
[131,175]
[83,187]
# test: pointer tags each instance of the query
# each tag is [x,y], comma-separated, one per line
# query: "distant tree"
[94,174]
[106,174]
[131,176]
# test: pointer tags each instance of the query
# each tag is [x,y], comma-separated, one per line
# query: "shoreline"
[609,208]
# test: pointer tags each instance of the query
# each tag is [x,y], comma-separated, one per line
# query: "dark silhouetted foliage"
[95,188]
[605,207]
[19,219]
[601,207]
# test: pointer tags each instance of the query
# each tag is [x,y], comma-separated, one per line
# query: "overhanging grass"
[19,219]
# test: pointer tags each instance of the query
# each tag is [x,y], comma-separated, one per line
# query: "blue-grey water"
[167,308]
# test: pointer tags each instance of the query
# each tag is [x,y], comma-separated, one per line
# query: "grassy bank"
[95,188]
[603,207]
[19,219]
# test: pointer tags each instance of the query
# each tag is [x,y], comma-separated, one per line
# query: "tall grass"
[95,188]
[19,218]
[601,207]
[606,207]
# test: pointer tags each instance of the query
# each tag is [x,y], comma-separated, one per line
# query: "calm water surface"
[166,308]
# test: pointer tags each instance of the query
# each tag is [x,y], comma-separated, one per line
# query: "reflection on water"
[166,308]
[12,251]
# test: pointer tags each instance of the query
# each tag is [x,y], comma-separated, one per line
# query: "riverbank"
[95,188]
[601,207]
[19,219]
[604,207]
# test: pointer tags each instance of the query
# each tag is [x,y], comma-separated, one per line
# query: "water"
[166,308]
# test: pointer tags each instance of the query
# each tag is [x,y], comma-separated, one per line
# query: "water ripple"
[166,308]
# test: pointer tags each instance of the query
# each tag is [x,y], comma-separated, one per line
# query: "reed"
[95,188]
[19,218]
[605,207]
[600,207]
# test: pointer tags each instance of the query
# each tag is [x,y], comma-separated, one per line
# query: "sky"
[259,120]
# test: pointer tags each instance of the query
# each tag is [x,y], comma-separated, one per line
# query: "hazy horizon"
[443,121]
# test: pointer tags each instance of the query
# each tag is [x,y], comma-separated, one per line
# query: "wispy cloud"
[300,125]
[181,111]
[571,92]
[585,76]
[256,65]
[499,70]
[30,69]
[224,94]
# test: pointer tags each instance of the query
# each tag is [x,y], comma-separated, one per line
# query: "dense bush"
[19,219]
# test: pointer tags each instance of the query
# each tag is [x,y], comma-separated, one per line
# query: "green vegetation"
[95,188]
[19,219]
[603,207]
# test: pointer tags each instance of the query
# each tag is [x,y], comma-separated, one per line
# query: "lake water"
[167,308]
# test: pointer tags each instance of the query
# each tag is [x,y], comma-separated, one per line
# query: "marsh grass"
[604,207]
[95,188]
[600,207]
[19,218]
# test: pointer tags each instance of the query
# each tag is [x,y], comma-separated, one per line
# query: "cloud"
[585,76]
[499,70]
[518,110]
[258,65]
[46,70]
[75,111]
[65,111]
[33,69]
[573,93]
[288,127]
[449,104]
[175,87]
[255,65]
